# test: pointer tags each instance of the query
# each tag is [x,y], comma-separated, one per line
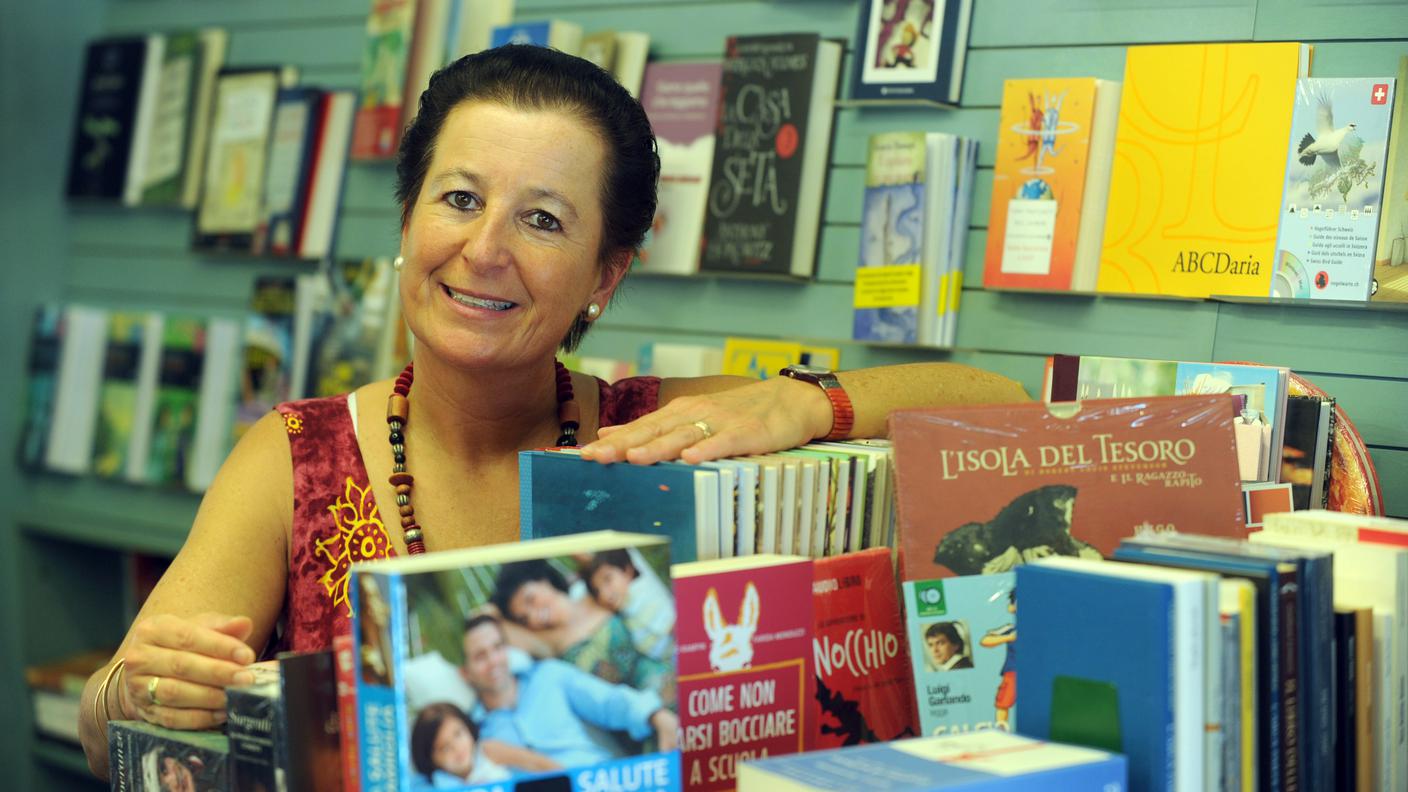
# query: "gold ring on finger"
[151,690]
[704,427]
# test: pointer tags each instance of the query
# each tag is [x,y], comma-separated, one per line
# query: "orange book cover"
[1200,157]
[386,51]
[1038,183]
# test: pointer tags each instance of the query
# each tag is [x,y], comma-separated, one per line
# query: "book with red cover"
[744,627]
[863,684]
[986,488]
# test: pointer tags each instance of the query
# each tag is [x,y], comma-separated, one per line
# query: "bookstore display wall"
[71,540]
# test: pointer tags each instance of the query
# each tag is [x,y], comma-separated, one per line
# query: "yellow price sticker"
[895,286]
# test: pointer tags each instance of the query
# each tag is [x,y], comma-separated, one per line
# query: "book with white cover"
[75,419]
[224,348]
[147,98]
[682,102]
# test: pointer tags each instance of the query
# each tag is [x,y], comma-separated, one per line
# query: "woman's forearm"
[93,715]
[876,392]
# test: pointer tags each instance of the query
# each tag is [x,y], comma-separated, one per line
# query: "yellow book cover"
[1238,596]
[1200,157]
[1043,141]
[759,358]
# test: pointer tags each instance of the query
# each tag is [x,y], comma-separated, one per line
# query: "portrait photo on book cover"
[948,646]
[173,768]
[901,46]
[1035,524]
[530,667]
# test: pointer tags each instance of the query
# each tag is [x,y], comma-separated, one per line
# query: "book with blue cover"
[888,275]
[987,761]
[962,649]
[560,494]
[1112,656]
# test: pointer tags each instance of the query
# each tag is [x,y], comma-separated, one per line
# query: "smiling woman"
[526,183]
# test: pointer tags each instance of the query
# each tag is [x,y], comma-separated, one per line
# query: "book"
[214,42]
[352,310]
[1169,229]
[558,34]
[477,20]
[858,648]
[953,161]
[745,663]
[963,652]
[219,386]
[292,146]
[595,717]
[385,57]
[771,155]
[266,376]
[117,395]
[41,377]
[663,359]
[427,53]
[986,488]
[1055,148]
[177,399]
[167,139]
[55,689]
[344,651]
[1333,195]
[1237,606]
[154,57]
[103,132]
[1305,453]
[1129,669]
[1390,282]
[893,215]
[73,421]
[760,358]
[977,761]
[284,730]
[682,102]
[911,52]
[235,167]
[632,50]
[318,225]
[562,494]
[142,756]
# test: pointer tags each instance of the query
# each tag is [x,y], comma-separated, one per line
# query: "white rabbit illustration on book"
[731,645]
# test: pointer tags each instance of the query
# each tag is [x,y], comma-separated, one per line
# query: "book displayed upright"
[235,167]
[911,51]
[893,213]
[143,757]
[117,395]
[107,107]
[986,488]
[682,102]
[41,382]
[1390,276]
[771,155]
[158,179]
[1334,197]
[69,445]
[1172,228]
[385,57]
[559,34]
[292,138]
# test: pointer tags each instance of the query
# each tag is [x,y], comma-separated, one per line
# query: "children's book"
[863,681]
[1334,193]
[963,652]
[908,52]
[506,655]
[747,682]
[385,55]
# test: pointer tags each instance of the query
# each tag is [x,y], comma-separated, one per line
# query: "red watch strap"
[843,415]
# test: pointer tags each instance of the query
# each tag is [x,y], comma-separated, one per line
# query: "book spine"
[1287,647]
[1346,674]
[345,658]
[378,725]
[254,740]
[1318,647]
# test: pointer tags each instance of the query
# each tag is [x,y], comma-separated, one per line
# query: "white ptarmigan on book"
[1325,143]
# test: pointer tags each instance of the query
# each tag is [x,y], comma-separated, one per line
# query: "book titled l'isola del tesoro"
[984,489]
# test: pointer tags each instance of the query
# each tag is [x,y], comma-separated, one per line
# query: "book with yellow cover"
[761,358]
[1195,194]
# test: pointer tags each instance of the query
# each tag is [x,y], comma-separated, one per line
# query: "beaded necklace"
[398,412]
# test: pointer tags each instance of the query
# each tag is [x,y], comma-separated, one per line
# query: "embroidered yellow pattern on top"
[293,423]
[360,536]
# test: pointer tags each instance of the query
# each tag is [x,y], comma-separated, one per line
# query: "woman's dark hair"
[516,575]
[427,726]
[620,559]
[949,631]
[527,77]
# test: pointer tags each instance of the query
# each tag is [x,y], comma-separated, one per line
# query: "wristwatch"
[843,415]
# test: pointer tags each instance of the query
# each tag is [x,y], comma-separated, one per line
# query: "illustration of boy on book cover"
[530,667]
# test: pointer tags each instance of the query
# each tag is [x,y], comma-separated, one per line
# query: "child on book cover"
[447,752]
[169,770]
[615,582]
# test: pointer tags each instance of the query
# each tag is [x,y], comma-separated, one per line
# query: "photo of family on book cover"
[512,669]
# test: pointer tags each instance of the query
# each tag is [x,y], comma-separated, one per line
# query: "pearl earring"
[593,311]
[398,262]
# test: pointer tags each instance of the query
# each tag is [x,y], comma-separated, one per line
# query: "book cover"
[1333,195]
[976,761]
[168,155]
[912,50]
[984,489]
[142,756]
[352,318]
[69,446]
[1195,118]
[266,375]
[228,216]
[213,44]
[562,494]
[963,652]
[770,154]
[862,679]
[893,212]
[1390,276]
[45,341]
[345,672]
[385,52]
[117,396]
[1039,182]
[682,102]
[488,653]
[219,388]
[328,170]
[291,149]
[559,34]
[745,663]
[142,122]
[177,399]
[107,112]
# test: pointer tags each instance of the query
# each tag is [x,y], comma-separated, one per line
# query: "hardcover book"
[291,150]
[144,757]
[893,211]
[963,652]
[117,396]
[177,399]
[1334,193]
[353,319]
[107,112]
[385,53]
[485,652]
[682,101]
[745,663]
[327,172]
[228,216]
[162,178]
[976,762]
[1195,118]
[40,385]
[983,489]
[266,377]
[771,154]
[912,50]
[83,343]
[284,730]
[1390,276]
[862,679]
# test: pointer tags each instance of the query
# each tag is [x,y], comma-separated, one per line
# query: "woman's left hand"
[756,418]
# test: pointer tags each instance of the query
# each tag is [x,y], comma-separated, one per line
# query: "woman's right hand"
[192,660]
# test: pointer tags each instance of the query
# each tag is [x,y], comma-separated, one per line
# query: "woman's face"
[502,247]
[176,777]
[538,606]
[453,750]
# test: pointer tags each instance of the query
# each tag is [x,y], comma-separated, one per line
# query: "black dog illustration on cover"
[1035,524]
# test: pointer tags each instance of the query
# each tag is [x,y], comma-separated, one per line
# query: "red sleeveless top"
[335,517]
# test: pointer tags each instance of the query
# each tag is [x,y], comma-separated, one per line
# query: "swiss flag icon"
[1379,95]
